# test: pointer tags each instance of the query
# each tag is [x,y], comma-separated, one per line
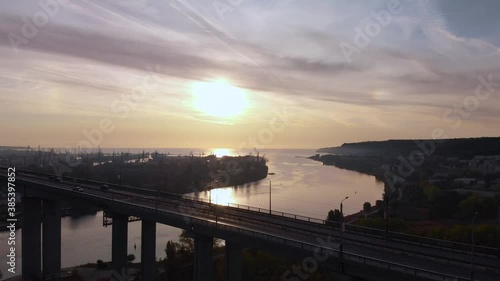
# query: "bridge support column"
[148,250]
[31,239]
[203,258]
[51,239]
[119,243]
[233,261]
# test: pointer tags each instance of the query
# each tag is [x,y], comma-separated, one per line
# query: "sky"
[246,73]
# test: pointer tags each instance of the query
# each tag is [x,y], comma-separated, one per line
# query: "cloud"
[424,61]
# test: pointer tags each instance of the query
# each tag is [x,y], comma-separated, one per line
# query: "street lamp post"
[269,197]
[342,216]
[341,246]
[121,163]
[498,232]
[386,210]
[472,247]
[88,160]
[210,194]
[216,207]
[157,197]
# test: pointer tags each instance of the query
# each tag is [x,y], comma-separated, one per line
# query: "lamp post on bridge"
[216,207]
[210,194]
[121,163]
[88,162]
[472,247]
[341,246]
[270,197]
[157,191]
[498,231]
[342,217]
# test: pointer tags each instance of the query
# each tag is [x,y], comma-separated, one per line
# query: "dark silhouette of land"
[433,187]
[159,172]
[460,147]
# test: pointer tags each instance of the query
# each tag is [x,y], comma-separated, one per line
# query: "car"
[58,179]
[52,178]
[104,187]
[77,188]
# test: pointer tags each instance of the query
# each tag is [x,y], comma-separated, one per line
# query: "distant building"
[465,181]
[486,164]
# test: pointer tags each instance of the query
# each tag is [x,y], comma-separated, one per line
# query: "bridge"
[358,254]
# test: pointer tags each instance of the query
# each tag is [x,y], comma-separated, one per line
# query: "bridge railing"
[379,233]
[403,237]
[189,220]
[282,214]
[304,228]
[322,250]
[421,240]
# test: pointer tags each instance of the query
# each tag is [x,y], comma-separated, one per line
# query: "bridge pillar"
[203,258]
[233,261]
[119,243]
[148,250]
[31,239]
[51,239]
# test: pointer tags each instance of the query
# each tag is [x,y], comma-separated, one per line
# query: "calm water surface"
[300,186]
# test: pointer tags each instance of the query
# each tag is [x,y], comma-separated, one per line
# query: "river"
[299,185]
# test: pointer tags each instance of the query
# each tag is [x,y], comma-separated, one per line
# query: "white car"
[77,188]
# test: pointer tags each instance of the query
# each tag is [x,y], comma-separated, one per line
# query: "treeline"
[465,148]
[451,215]
[367,166]
[181,174]
[256,264]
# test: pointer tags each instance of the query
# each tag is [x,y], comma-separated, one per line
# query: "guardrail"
[348,256]
[421,240]
[229,213]
[398,236]
[322,231]
[378,233]
[283,214]
[418,272]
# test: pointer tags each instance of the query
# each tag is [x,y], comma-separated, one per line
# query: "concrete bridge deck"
[279,234]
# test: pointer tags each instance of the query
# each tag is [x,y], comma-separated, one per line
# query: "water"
[84,239]
[300,186]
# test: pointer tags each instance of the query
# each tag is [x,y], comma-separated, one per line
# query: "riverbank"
[368,165]
[178,174]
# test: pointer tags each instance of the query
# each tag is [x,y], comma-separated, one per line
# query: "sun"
[219,98]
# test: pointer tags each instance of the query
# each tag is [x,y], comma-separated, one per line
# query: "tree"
[379,204]
[432,192]
[186,242]
[333,216]
[100,264]
[445,204]
[131,258]
[171,261]
[485,206]
[367,207]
